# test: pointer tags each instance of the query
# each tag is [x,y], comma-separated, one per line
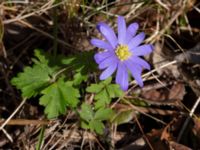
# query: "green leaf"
[72,94]
[139,102]
[104,92]
[41,58]
[107,81]
[86,112]
[31,81]
[102,99]
[114,90]
[93,120]
[122,117]
[81,65]
[84,125]
[97,126]
[43,61]
[95,88]
[79,78]
[57,97]
[182,21]
[82,62]
[103,114]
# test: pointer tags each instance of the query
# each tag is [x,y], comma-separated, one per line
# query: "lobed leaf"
[32,80]
[82,62]
[122,117]
[57,97]
[79,78]
[103,114]
[104,92]
[95,88]
[97,126]
[93,120]
[86,112]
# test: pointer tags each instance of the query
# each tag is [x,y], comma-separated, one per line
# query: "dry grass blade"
[188,119]
[13,114]
[7,135]
[39,11]
[24,122]
[147,140]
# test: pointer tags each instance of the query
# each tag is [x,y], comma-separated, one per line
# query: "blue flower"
[121,53]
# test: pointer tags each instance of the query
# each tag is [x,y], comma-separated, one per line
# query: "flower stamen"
[123,52]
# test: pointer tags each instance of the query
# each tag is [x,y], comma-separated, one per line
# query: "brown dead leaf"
[156,142]
[197,126]
[171,127]
[124,7]
[166,134]
[159,56]
[177,91]
[164,96]
[196,129]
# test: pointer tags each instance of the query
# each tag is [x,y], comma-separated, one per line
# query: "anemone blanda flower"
[121,53]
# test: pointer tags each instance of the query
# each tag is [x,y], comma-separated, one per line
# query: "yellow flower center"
[123,52]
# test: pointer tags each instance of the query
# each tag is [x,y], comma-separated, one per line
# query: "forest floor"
[163,115]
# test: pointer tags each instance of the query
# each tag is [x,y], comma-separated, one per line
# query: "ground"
[162,115]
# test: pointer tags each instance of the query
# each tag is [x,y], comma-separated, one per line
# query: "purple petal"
[101,44]
[137,40]
[121,30]
[108,33]
[136,72]
[122,76]
[142,50]
[131,31]
[140,62]
[108,72]
[99,57]
[132,28]
[109,61]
